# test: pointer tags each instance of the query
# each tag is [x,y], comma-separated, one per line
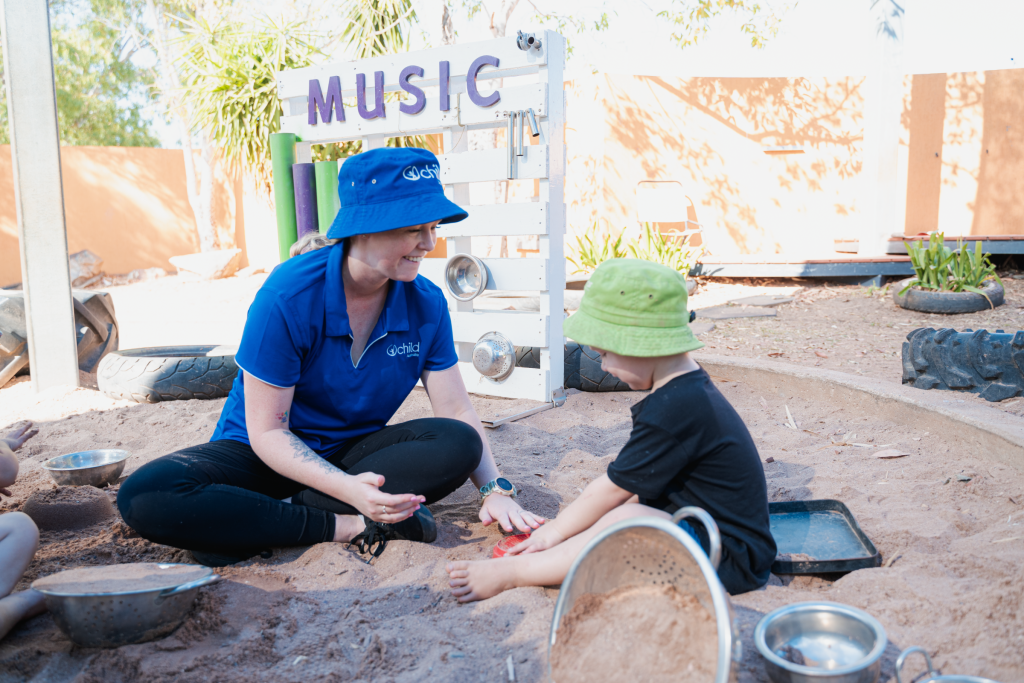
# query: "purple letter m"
[316,100]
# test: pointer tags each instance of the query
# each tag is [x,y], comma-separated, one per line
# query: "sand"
[653,634]
[119,578]
[952,579]
[68,507]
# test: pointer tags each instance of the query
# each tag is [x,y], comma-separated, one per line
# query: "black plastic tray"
[824,530]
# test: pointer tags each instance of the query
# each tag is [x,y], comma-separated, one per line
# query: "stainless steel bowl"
[494,356]
[123,618]
[654,551]
[88,468]
[933,675]
[465,276]
[841,644]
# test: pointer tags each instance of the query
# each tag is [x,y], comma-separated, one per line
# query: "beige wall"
[126,204]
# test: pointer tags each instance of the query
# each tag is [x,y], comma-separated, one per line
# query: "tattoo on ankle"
[303,452]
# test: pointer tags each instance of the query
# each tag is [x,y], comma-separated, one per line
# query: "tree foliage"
[692,19]
[101,93]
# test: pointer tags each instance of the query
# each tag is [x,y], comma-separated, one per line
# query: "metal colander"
[653,551]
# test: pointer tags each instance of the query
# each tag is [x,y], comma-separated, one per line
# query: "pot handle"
[198,583]
[714,537]
[909,651]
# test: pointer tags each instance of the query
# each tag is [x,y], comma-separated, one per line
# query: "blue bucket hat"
[384,189]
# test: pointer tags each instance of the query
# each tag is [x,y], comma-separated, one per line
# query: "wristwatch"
[501,485]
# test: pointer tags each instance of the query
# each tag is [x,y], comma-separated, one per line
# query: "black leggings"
[221,497]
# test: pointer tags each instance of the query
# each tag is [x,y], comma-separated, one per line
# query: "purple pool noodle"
[304,176]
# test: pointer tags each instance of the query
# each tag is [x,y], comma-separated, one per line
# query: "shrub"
[653,245]
[940,268]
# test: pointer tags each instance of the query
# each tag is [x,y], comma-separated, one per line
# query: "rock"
[86,268]
[207,265]
[146,274]
[249,271]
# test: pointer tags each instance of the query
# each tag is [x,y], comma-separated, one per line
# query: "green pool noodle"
[282,156]
[327,202]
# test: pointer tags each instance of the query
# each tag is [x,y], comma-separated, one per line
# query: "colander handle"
[714,537]
[903,657]
[198,583]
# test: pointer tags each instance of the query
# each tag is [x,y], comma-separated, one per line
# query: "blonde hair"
[311,241]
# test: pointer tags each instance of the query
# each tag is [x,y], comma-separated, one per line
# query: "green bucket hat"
[634,308]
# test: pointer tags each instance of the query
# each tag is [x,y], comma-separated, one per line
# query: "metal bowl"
[654,551]
[494,356]
[122,618]
[465,276]
[934,676]
[841,644]
[88,468]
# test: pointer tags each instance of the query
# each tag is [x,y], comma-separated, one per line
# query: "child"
[688,445]
[19,539]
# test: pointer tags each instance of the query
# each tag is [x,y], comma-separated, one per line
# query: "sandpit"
[66,508]
[952,578]
[119,578]
[654,634]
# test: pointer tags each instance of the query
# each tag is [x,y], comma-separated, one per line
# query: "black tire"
[168,373]
[989,364]
[582,368]
[96,331]
[929,301]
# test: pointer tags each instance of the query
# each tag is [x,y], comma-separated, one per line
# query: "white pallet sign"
[459,167]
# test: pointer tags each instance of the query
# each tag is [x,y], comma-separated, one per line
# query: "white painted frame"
[544,162]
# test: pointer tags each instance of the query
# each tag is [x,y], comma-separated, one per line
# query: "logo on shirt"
[426,172]
[407,350]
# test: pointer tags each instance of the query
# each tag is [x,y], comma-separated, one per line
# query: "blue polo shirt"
[297,334]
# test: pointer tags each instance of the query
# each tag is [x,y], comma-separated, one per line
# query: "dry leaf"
[775,355]
[890,453]
[819,354]
[792,423]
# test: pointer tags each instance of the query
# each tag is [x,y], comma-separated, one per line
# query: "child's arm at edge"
[8,461]
[599,498]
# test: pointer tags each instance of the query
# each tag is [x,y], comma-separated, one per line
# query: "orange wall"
[128,205]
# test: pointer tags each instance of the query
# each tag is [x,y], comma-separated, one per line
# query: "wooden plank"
[807,269]
[523,329]
[492,164]
[528,218]
[354,126]
[511,62]
[522,383]
[502,273]
[521,98]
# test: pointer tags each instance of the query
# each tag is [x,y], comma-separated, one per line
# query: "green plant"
[940,268]
[590,252]
[671,251]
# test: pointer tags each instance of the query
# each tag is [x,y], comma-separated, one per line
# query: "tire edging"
[970,302]
[986,431]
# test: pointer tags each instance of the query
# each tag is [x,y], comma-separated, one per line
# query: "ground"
[954,550]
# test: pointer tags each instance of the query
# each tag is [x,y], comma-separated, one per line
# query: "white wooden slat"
[528,218]
[502,273]
[354,126]
[492,164]
[522,383]
[511,62]
[533,96]
[524,329]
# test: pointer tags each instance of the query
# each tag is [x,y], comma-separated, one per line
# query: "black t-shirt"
[690,447]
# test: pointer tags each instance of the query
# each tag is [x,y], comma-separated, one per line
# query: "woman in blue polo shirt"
[333,344]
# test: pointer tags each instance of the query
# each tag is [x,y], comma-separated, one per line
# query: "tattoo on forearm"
[303,452]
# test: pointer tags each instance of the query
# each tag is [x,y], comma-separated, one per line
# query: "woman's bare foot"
[481,580]
[347,527]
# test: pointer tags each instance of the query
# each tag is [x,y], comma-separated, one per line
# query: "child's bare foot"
[480,580]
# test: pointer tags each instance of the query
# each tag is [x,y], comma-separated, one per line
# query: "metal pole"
[38,193]
[511,140]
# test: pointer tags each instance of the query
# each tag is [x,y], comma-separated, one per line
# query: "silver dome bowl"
[465,277]
[494,356]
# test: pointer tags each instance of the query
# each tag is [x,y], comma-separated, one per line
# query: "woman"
[333,344]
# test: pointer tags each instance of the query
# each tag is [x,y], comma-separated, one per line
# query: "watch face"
[503,484]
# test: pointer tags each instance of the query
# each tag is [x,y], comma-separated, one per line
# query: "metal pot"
[465,277]
[933,675]
[845,643]
[628,553]
[88,468]
[123,618]
[494,356]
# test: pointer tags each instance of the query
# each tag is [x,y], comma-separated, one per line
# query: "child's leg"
[480,580]
[19,539]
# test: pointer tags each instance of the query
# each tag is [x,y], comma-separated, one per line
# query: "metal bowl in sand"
[837,643]
[652,551]
[933,675]
[121,618]
[88,468]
